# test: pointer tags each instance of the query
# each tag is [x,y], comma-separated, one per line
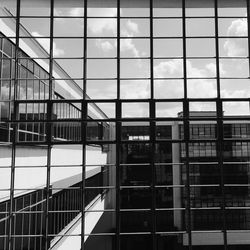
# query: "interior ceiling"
[127,3]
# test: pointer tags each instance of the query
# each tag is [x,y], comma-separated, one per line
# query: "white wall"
[33,160]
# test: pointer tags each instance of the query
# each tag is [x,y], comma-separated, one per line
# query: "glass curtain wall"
[144,104]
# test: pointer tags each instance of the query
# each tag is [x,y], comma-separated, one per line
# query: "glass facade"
[124,125]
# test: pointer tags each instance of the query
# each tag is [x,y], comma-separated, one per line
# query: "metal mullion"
[14,223]
[54,214]
[29,216]
[186,124]
[15,114]
[49,129]
[152,128]
[61,210]
[248,26]
[118,130]
[5,227]
[22,225]
[41,221]
[219,110]
[57,213]
[84,116]
[67,207]
[35,218]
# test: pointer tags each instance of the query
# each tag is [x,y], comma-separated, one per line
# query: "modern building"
[204,180]
[124,124]
[31,131]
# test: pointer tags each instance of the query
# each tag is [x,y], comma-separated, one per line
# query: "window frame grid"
[118,118]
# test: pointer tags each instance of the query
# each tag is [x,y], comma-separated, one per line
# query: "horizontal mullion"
[237,208]
[132,78]
[205,208]
[124,37]
[47,16]
[124,17]
[78,101]
[44,143]
[124,58]
[138,119]
[63,211]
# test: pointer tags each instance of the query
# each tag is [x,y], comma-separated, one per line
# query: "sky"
[137,50]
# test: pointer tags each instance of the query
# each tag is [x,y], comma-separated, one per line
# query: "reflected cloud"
[98,26]
[106,46]
[236,47]
[212,68]
[45,43]
[76,12]
[169,69]
[238,28]
[133,89]
[131,28]
[197,88]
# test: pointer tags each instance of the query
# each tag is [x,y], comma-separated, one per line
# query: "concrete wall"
[31,171]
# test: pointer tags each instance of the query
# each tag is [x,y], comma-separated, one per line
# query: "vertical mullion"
[14,139]
[152,127]
[219,118]
[118,116]
[41,220]
[14,223]
[5,227]
[84,116]
[248,27]
[30,218]
[49,127]
[22,225]
[54,214]
[186,126]
[35,221]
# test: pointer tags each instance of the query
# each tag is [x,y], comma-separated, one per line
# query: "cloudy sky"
[167,72]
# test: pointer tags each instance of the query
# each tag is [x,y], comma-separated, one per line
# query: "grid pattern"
[145,203]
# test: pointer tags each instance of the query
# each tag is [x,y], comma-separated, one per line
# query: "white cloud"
[170,68]
[45,43]
[238,28]
[128,45]
[197,87]
[236,47]
[58,12]
[99,26]
[236,108]
[102,12]
[106,46]
[132,26]
[227,93]
[170,109]
[76,12]
[211,67]
[135,110]
[135,89]
[201,88]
